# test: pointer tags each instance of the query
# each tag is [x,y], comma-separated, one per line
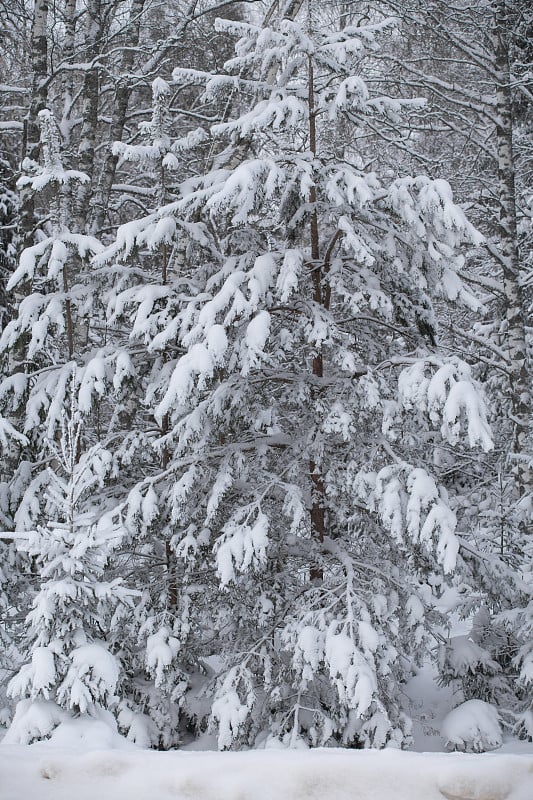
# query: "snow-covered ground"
[88,760]
[44,772]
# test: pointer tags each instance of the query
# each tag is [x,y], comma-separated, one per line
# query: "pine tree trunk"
[318,493]
[516,340]
[172,592]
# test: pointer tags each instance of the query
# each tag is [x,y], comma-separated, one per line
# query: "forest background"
[266,391]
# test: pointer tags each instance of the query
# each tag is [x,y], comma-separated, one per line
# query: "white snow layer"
[45,772]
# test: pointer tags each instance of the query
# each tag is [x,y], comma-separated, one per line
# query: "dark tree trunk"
[120,110]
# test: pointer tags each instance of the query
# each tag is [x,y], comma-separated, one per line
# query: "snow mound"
[33,720]
[89,734]
[45,720]
[473,726]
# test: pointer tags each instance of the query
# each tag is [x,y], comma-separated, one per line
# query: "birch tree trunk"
[68,46]
[514,302]
[39,94]
[89,113]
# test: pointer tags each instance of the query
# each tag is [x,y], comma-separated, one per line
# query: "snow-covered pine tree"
[42,339]
[305,398]
[9,574]
[76,612]
[57,377]
[157,675]
[39,346]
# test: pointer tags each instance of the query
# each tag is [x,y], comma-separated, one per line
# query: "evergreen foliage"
[263,430]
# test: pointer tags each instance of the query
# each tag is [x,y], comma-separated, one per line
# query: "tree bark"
[39,95]
[89,113]
[68,43]
[514,301]
[318,493]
